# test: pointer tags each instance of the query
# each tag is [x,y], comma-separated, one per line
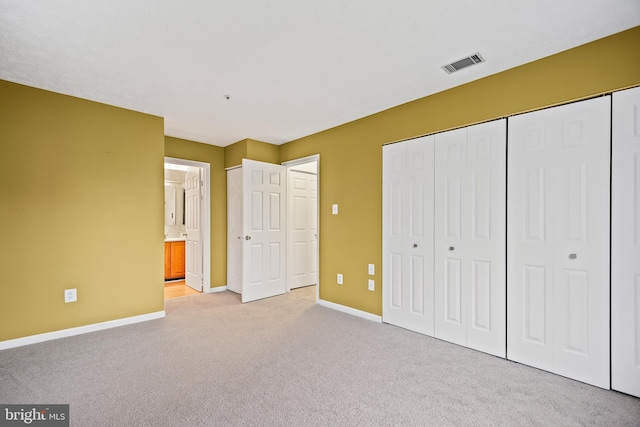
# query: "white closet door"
[558,240]
[487,160]
[625,239]
[470,192]
[408,235]
[451,229]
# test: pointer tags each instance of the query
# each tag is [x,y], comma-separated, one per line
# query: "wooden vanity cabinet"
[174,260]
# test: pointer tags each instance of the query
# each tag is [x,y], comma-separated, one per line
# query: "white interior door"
[235,236]
[451,255]
[625,240]
[264,222]
[408,235]
[470,192]
[302,250]
[558,240]
[193,197]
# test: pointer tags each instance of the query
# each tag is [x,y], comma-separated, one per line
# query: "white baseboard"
[33,339]
[349,310]
[217,289]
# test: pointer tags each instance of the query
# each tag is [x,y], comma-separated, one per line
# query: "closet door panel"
[486,168]
[581,292]
[625,256]
[452,226]
[558,234]
[408,235]
[395,233]
[530,228]
[420,244]
[470,192]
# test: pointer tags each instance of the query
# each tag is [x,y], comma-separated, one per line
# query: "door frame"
[205,216]
[289,164]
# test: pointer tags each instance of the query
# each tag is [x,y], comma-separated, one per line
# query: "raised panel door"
[408,235]
[558,240]
[264,222]
[625,240]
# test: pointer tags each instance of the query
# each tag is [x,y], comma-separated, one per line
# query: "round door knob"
[573,256]
[451,248]
[415,245]
[247,237]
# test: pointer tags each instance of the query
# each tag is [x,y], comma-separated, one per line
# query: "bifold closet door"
[470,193]
[625,243]
[407,234]
[558,240]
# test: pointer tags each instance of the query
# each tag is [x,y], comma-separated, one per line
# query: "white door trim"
[300,161]
[205,217]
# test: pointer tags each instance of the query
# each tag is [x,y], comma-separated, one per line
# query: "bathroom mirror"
[170,210]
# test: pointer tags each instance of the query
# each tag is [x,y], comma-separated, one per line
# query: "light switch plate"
[70,295]
[334,209]
[340,279]
[372,269]
[372,285]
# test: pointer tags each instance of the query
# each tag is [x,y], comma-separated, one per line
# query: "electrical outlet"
[372,285]
[372,269]
[334,209]
[340,279]
[70,295]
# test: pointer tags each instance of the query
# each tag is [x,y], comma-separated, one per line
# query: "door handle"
[415,245]
[573,256]
[451,248]
[247,237]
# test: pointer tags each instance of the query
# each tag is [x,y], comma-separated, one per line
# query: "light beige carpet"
[287,361]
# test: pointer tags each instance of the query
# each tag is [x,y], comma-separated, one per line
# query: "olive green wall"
[189,150]
[81,186]
[262,151]
[250,149]
[234,153]
[351,154]
[81,199]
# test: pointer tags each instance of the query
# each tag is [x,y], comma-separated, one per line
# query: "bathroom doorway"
[187,223]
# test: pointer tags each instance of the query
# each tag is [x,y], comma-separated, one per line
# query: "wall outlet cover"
[372,285]
[340,279]
[372,269]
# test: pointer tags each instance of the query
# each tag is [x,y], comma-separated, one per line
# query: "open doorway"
[187,225]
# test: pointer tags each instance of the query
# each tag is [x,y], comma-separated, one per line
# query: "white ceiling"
[291,67]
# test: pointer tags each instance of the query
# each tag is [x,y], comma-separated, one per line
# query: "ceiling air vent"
[463,63]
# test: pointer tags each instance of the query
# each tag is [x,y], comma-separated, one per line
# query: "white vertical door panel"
[193,258]
[264,222]
[451,230]
[235,235]
[470,191]
[303,231]
[487,159]
[625,240]
[558,240]
[408,235]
